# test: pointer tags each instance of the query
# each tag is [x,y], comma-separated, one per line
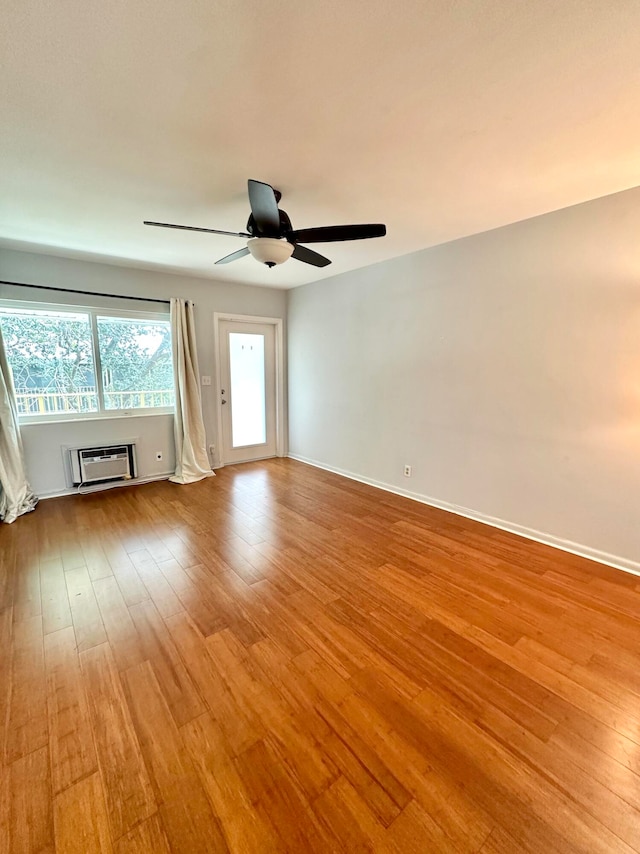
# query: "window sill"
[99,416]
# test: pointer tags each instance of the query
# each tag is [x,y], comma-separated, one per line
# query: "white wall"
[504,367]
[42,442]
[44,457]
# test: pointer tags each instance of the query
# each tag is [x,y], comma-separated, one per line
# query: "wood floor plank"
[349,819]
[200,603]
[186,813]
[280,803]
[26,726]
[6,661]
[273,667]
[157,646]
[128,792]
[80,819]
[385,796]
[129,582]
[95,559]
[565,691]
[31,822]
[87,620]
[256,605]
[241,730]
[8,557]
[297,565]
[344,647]
[328,682]
[444,798]
[26,594]
[56,613]
[244,830]
[501,842]
[501,783]
[596,746]
[618,810]
[71,552]
[288,738]
[157,585]
[120,629]
[71,745]
[221,588]
[5,807]
[147,837]
[414,831]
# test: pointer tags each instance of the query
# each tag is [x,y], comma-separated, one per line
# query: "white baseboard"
[529,533]
[133,482]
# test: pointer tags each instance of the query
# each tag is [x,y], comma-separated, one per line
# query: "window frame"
[93,312]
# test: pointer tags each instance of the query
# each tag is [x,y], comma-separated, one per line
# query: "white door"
[247,390]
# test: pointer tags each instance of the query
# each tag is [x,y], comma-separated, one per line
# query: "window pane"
[135,356]
[52,360]
[248,417]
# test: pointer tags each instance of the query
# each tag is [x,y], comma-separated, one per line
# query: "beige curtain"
[192,463]
[16,496]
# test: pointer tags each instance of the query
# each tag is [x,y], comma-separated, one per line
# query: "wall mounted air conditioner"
[102,464]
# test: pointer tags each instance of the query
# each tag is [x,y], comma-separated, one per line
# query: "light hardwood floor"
[279,659]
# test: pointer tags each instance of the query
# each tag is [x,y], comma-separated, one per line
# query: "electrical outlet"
[212,449]
[206,380]
[407,471]
[158,455]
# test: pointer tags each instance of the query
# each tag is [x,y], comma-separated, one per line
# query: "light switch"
[206,380]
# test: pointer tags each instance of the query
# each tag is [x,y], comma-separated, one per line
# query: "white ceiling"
[439,117]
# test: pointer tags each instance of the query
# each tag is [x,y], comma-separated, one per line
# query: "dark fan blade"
[234,256]
[330,233]
[309,256]
[264,207]
[195,228]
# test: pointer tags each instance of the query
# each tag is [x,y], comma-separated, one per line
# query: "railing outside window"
[85,400]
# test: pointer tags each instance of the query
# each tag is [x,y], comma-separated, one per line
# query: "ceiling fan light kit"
[272,240]
[270,250]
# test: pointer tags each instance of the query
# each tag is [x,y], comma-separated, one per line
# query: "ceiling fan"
[272,240]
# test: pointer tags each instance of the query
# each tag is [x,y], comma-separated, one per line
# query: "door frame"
[278,324]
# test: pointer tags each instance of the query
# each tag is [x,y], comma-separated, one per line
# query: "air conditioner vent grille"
[97,453]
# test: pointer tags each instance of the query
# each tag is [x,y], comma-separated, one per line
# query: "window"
[135,357]
[51,356]
[86,362]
